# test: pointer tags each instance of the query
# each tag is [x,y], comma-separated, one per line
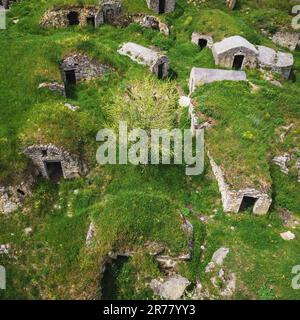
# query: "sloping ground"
[130,205]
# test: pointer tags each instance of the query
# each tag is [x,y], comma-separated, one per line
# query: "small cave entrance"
[247,204]
[160,70]
[70,77]
[21,192]
[73,18]
[238,62]
[202,43]
[109,284]
[162,6]
[54,170]
[90,21]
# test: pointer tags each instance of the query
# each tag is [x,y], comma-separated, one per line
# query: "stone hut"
[158,63]
[79,67]
[235,53]
[65,16]
[55,163]
[202,40]
[279,62]
[240,200]
[161,6]
[200,76]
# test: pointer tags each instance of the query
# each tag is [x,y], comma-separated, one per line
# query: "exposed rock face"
[235,52]
[287,236]
[196,37]
[288,40]
[171,289]
[12,197]
[90,234]
[200,76]
[231,4]
[161,6]
[83,67]
[232,200]
[158,63]
[43,156]
[279,62]
[53,86]
[282,162]
[217,259]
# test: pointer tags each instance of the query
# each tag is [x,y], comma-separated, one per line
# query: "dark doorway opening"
[44,153]
[91,21]
[238,62]
[70,77]
[202,43]
[54,170]
[21,192]
[162,6]
[73,18]
[160,71]
[247,204]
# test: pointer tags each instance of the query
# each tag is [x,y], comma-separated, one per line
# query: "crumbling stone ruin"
[64,16]
[231,4]
[240,200]
[288,40]
[55,163]
[12,197]
[200,76]
[279,62]
[235,53]
[161,6]
[202,40]
[54,87]
[158,63]
[151,22]
[78,67]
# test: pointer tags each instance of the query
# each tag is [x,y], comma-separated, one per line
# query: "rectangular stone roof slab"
[232,43]
[138,53]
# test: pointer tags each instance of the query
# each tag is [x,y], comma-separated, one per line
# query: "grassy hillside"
[130,205]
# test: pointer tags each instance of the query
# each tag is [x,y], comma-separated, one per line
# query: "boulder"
[288,236]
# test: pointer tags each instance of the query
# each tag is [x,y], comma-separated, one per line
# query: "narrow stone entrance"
[70,77]
[202,43]
[162,6]
[247,204]
[54,170]
[160,71]
[91,21]
[238,62]
[73,18]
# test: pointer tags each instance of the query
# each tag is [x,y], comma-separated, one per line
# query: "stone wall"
[12,197]
[232,199]
[197,36]
[155,5]
[84,67]
[58,17]
[71,165]
[288,40]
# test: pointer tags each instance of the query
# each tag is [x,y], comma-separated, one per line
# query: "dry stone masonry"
[288,40]
[240,200]
[161,6]
[235,52]
[279,62]
[158,63]
[202,40]
[65,16]
[79,67]
[55,163]
[200,76]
